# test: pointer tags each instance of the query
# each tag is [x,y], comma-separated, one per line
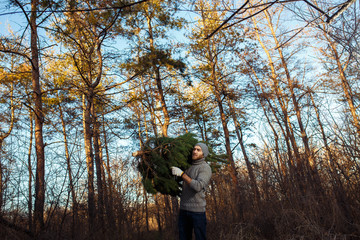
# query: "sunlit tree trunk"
[39,119]
[285,118]
[312,173]
[87,104]
[309,155]
[264,97]
[348,92]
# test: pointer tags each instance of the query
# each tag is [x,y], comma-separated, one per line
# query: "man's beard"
[195,158]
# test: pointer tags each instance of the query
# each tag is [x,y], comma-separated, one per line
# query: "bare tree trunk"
[167,212]
[146,211]
[39,119]
[158,216]
[214,197]
[98,165]
[309,155]
[349,96]
[312,174]
[298,173]
[89,163]
[285,173]
[109,199]
[30,201]
[217,92]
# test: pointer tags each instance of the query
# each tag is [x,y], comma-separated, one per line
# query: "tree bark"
[39,119]
[89,163]
[308,153]
[298,173]
[110,187]
[30,201]
[98,165]
[158,80]
[349,96]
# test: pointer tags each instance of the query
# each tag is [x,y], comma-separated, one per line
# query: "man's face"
[197,153]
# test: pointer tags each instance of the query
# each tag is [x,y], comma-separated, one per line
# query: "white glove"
[177,171]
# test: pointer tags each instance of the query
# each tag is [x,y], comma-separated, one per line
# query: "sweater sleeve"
[202,179]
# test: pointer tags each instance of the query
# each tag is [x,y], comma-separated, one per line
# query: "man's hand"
[177,171]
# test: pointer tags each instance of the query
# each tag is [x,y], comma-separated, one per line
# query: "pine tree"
[159,154]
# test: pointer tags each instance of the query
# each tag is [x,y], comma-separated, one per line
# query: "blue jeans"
[189,221]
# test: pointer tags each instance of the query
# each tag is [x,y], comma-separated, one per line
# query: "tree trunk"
[158,216]
[109,199]
[285,166]
[158,80]
[39,119]
[99,171]
[309,155]
[349,96]
[89,163]
[297,174]
[223,118]
[30,201]
[146,211]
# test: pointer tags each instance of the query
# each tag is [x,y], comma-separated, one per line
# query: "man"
[192,201]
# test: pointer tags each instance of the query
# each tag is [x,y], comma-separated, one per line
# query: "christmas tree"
[159,154]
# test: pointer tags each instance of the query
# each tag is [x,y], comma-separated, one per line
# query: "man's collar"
[199,161]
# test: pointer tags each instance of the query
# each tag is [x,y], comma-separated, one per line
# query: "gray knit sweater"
[193,195]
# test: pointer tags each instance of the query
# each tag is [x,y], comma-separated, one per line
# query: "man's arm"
[186,178]
[202,180]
